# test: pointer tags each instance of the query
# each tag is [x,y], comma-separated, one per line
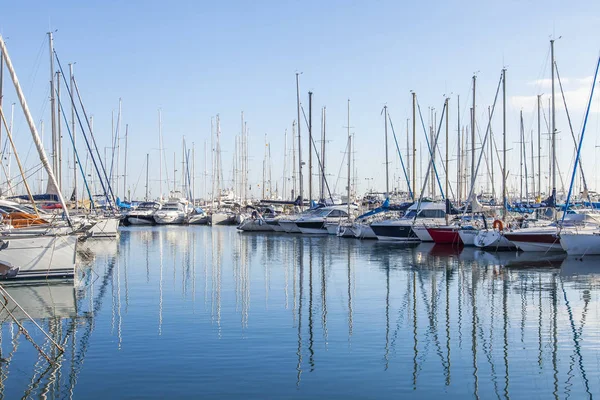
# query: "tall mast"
[521,142]
[284,186]
[242,166]
[174,175]
[58,132]
[408,150]
[1,87]
[414,143]
[310,186]
[194,174]
[473,134]
[75,172]
[492,153]
[349,155]
[322,169]
[553,125]
[270,180]
[205,191]
[294,185]
[264,169]
[447,148]
[458,155]
[53,106]
[118,146]
[245,162]
[300,177]
[219,160]
[349,166]
[532,166]
[125,164]
[387,165]
[504,144]
[539,126]
[9,134]
[160,162]
[323,152]
[36,138]
[147,176]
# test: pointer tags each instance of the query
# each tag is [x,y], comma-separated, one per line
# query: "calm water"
[197,312]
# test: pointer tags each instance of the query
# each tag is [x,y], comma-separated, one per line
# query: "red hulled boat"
[445,235]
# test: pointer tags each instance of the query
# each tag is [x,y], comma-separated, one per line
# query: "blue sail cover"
[37,197]
[385,207]
[521,207]
[122,204]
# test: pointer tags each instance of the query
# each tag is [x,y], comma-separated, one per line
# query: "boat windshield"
[410,214]
[321,213]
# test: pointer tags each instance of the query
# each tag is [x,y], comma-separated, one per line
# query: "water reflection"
[309,315]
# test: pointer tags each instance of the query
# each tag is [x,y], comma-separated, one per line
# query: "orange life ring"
[498,225]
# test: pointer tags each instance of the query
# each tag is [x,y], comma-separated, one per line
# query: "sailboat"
[48,254]
[584,241]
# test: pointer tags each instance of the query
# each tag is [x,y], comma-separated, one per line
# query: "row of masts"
[465,170]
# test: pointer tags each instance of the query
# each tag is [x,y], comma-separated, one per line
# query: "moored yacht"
[581,242]
[545,238]
[416,218]
[37,256]
[143,214]
[173,212]
[315,223]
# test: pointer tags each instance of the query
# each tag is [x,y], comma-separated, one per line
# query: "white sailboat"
[37,255]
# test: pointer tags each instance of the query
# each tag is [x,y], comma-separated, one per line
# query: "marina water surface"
[200,312]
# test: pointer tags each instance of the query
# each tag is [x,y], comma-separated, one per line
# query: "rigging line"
[137,183]
[400,155]
[115,145]
[429,165]
[472,189]
[76,153]
[27,174]
[485,156]
[9,135]
[340,170]
[585,187]
[106,193]
[319,160]
[587,113]
[431,153]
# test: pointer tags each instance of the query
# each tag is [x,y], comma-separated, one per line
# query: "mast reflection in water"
[207,312]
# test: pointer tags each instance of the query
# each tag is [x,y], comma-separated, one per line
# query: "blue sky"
[196,59]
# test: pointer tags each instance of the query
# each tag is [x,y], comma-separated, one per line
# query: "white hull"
[422,233]
[255,225]
[140,221]
[220,218]
[538,247]
[198,220]
[332,229]
[289,226]
[277,228]
[468,236]
[164,218]
[40,256]
[363,231]
[105,228]
[580,244]
[346,231]
[493,240]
